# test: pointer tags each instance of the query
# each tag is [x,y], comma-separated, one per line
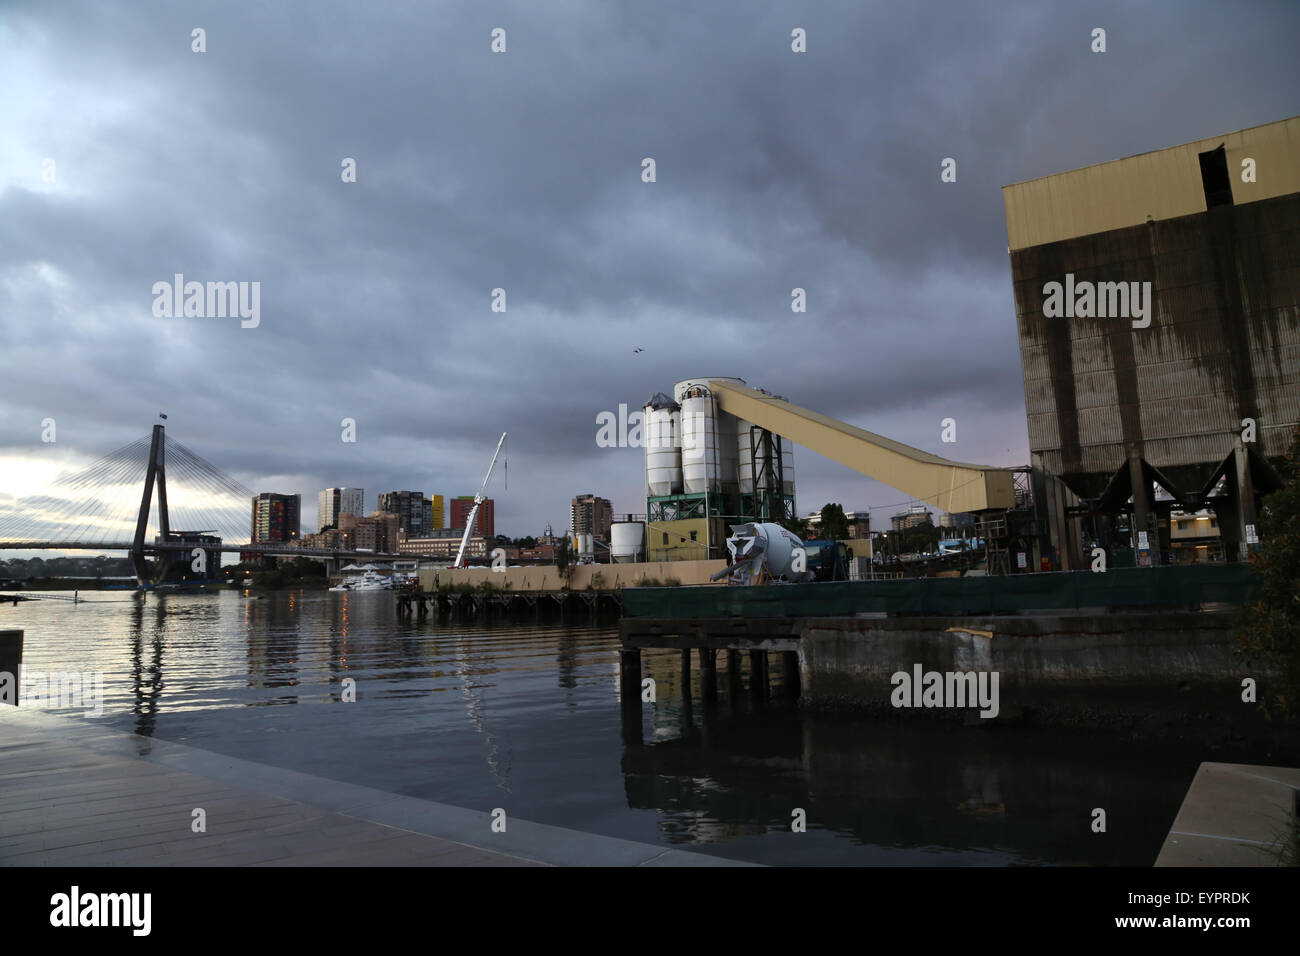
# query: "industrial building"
[719,452]
[706,469]
[1158,309]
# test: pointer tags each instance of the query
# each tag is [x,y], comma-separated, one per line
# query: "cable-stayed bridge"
[151,498]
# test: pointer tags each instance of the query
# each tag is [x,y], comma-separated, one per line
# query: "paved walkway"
[1234,814]
[73,794]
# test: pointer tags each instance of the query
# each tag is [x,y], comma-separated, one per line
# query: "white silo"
[787,467]
[663,454]
[625,539]
[746,455]
[701,464]
[744,464]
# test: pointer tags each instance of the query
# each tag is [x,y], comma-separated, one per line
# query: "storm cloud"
[522,171]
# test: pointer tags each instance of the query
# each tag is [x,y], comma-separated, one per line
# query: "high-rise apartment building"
[378,531]
[484,525]
[415,512]
[913,517]
[333,502]
[276,518]
[591,515]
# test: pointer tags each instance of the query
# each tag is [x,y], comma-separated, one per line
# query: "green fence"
[1174,587]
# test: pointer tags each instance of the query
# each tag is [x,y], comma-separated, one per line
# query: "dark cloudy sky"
[522,170]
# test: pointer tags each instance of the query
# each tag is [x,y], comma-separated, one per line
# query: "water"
[527,718]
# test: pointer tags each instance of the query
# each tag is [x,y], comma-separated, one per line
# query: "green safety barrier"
[1169,586]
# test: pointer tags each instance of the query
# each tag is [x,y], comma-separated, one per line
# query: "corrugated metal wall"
[1223,344]
[1163,184]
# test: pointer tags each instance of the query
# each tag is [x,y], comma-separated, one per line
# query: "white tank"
[787,467]
[686,384]
[625,540]
[745,464]
[728,460]
[663,453]
[701,464]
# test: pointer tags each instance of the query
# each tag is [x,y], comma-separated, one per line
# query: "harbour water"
[528,719]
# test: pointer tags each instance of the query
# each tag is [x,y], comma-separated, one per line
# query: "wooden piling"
[758,673]
[708,673]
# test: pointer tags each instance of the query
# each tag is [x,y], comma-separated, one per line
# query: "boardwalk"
[72,794]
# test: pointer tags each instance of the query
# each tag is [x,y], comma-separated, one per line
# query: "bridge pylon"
[157,471]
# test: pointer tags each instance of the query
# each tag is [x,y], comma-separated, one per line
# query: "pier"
[488,603]
[1066,646]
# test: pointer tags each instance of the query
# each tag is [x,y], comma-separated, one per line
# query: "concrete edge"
[537,842]
[1231,815]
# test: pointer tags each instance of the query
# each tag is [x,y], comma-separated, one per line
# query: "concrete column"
[733,673]
[11,659]
[629,674]
[1164,533]
[629,679]
[790,674]
[1245,489]
[1141,505]
[708,673]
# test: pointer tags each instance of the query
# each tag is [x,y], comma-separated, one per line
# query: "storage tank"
[663,453]
[728,460]
[787,467]
[701,462]
[686,384]
[625,540]
[745,463]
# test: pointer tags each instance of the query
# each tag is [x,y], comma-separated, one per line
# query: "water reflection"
[530,719]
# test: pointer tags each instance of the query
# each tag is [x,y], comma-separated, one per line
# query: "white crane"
[478,500]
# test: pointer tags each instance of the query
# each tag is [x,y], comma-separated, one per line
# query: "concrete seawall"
[1148,665]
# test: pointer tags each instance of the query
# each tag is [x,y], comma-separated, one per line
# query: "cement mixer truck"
[765,553]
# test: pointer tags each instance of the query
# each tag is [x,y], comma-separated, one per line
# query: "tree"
[1269,623]
[563,558]
[834,525]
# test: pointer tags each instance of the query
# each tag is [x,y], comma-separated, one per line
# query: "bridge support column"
[156,470]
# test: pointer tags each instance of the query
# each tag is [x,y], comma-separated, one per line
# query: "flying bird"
[634,351]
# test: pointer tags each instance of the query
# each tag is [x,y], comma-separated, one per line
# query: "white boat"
[369,581]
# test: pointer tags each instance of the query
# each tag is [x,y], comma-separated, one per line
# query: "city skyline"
[375,297]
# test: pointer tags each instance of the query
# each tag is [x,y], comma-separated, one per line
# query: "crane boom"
[478,500]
